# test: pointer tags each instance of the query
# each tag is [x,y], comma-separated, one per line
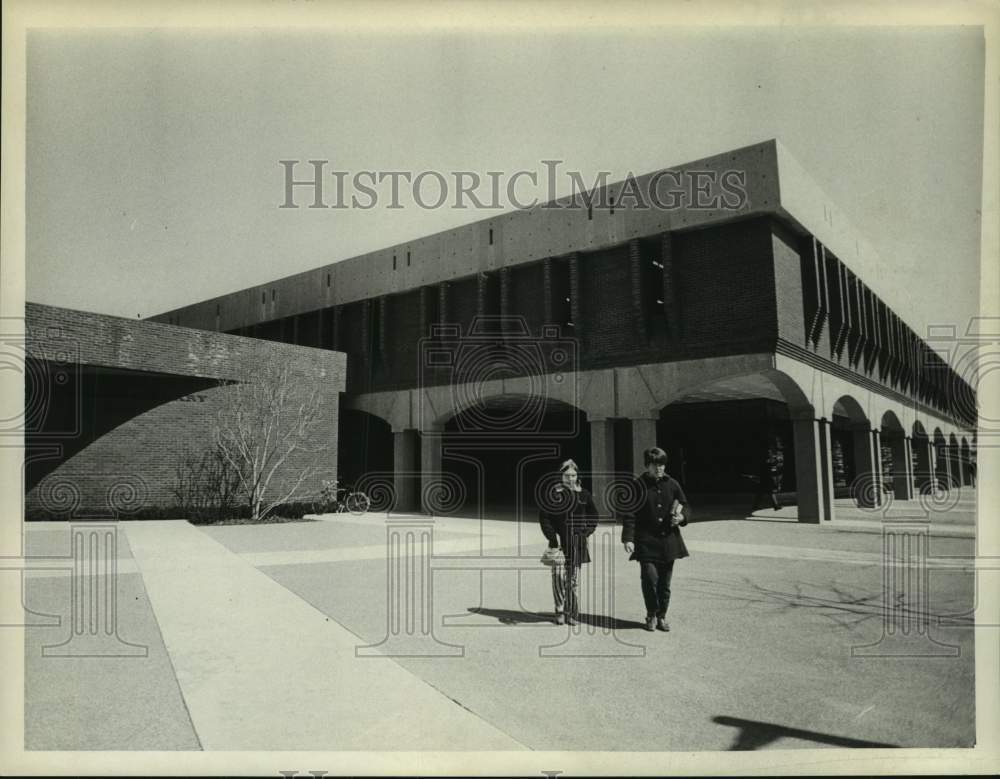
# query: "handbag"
[553,556]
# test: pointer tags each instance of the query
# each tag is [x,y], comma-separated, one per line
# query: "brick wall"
[519,237]
[135,466]
[143,393]
[788,282]
[724,293]
[607,319]
[463,303]
[400,357]
[725,288]
[527,296]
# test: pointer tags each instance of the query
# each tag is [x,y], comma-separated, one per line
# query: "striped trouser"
[565,580]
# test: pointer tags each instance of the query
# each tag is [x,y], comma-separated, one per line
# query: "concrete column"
[879,470]
[504,291]
[947,476]
[366,329]
[482,292]
[643,438]
[424,318]
[443,303]
[602,459]
[923,464]
[902,468]
[430,462]
[574,294]
[826,465]
[335,328]
[383,324]
[866,487]
[933,465]
[635,270]
[669,293]
[955,465]
[809,476]
[547,288]
[404,464]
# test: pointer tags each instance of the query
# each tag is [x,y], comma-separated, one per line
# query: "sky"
[153,178]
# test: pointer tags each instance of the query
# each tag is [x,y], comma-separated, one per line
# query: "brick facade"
[729,280]
[144,393]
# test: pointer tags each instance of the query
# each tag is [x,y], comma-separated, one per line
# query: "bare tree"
[266,418]
[205,483]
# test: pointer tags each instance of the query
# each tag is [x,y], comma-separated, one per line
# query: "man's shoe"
[649,624]
[560,619]
[661,624]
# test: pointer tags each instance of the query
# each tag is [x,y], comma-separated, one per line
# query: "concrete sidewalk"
[260,625]
[241,643]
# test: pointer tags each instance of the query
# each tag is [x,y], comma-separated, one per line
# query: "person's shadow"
[511,617]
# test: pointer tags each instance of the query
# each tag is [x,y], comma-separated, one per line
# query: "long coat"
[650,528]
[569,521]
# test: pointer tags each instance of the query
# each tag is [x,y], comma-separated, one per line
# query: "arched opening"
[954,461]
[896,458]
[732,443]
[973,465]
[923,460]
[942,479]
[364,446]
[498,470]
[851,448]
[968,470]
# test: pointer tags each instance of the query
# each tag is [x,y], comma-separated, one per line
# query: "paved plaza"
[298,636]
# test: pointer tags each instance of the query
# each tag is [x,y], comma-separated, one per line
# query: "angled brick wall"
[170,379]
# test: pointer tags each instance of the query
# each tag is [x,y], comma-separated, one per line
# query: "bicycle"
[335,499]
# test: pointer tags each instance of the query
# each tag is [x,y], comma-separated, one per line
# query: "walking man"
[651,534]
[771,475]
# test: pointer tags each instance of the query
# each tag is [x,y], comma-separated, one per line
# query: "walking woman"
[568,517]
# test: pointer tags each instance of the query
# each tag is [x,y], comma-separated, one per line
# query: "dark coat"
[568,522]
[649,527]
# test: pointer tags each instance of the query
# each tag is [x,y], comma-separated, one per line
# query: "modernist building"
[721,328]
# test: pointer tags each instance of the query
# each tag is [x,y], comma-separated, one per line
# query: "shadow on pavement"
[511,617]
[610,623]
[754,735]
